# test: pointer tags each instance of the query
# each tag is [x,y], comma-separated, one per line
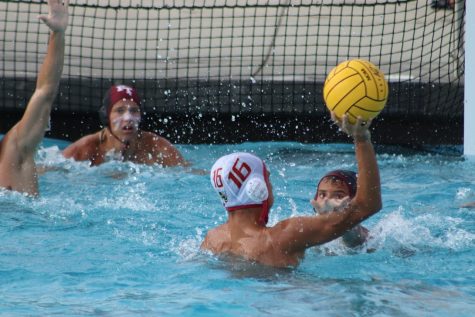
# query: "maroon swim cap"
[120,92]
[349,178]
[114,94]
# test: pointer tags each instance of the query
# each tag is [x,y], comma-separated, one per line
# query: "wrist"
[362,138]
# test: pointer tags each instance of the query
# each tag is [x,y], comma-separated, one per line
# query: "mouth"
[128,128]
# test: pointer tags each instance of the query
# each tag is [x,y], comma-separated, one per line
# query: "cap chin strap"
[264,217]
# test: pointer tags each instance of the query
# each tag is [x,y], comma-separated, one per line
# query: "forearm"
[31,127]
[369,186]
[52,67]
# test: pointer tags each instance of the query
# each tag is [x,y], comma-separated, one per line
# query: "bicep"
[299,233]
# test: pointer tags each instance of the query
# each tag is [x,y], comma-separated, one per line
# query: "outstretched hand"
[57,18]
[359,130]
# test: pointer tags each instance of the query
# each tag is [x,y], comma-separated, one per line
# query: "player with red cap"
[122,137]
[334,191]
[243,185]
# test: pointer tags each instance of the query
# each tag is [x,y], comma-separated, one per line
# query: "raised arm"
[29,131]
[299,233]
[368,194]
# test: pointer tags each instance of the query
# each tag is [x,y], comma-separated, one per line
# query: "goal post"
[469,102]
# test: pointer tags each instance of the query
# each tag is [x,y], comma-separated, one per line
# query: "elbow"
[379,206]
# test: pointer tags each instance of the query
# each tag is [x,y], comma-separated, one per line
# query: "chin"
[129,133]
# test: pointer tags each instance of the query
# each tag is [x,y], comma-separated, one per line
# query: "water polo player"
[122,138]
[334,191]
[243,185]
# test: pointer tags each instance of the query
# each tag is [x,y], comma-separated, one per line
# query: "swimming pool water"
[123,240]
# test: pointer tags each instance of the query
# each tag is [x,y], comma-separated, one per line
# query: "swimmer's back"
[259,246]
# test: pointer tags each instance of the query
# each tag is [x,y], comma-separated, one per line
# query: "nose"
[129,116]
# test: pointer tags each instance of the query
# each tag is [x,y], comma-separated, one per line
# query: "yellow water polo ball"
[355,87]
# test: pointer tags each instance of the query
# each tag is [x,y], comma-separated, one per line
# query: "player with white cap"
[243,184]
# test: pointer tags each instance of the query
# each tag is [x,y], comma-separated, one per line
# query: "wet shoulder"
[155,139]
[218,239]
[84,147]
[93,139]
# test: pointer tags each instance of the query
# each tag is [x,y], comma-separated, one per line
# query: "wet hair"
[349,178]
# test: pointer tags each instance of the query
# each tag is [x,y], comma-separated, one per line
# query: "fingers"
[335,119]
[359,121]
[44,19]
[314,204]
[58,2]
[346,120]
[363,123]
[332,114]
[345,124]
[359,129]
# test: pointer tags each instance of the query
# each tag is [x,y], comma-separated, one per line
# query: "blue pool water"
[123,240]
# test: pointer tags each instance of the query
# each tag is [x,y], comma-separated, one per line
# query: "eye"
[134,110]
[340,196]
[321,195]
[120,110]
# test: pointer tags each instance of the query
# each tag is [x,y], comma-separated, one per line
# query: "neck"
[245,218]
[124,146]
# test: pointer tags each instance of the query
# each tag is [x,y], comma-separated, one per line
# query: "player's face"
[125,118]
[331,195]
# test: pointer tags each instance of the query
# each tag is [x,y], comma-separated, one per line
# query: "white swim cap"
[240,179]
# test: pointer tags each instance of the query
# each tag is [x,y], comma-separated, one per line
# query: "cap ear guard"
[103,110]
[256,190]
